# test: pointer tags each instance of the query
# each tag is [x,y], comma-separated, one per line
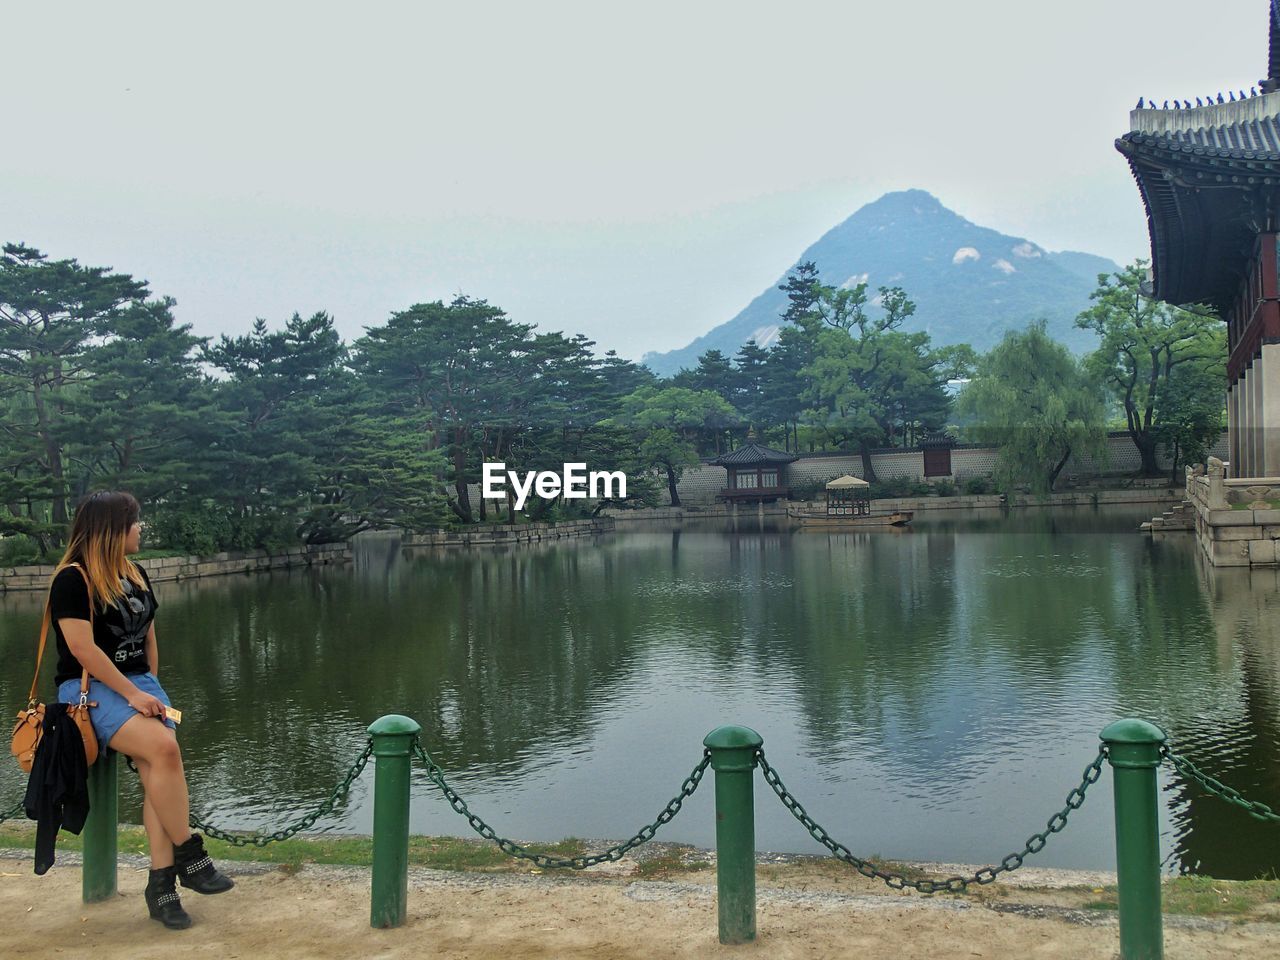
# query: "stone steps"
[1181,517]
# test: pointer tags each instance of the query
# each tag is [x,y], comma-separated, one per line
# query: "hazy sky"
[636,173]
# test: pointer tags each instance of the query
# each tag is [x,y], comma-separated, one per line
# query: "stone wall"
[700,485]
[160,569]
[1139,495]
[509,533]
[182,568]
[1237,521]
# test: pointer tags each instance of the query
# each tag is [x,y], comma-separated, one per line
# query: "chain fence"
[895,880]
[305,822]
[1217,788]
[509,847]
[898,881]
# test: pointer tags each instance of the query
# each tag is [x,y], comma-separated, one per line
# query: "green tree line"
[285,436]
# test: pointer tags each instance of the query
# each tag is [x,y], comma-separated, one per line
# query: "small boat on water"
[848,504]
[818,518]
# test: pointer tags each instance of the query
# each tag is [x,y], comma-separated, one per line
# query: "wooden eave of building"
[1209,177]
[1208,191]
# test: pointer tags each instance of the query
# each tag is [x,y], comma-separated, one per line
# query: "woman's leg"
[164,784]
[158,841]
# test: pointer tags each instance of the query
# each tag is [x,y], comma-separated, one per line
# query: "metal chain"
[1254,808]
[12,812]
[513,849]
[898,881]
[262,839]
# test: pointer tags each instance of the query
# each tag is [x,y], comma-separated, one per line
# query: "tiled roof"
[1248,140]
[752,453]
[1207,175]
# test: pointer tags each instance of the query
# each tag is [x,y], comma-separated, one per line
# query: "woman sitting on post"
[119,651]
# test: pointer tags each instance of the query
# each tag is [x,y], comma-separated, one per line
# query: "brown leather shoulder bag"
[30,725]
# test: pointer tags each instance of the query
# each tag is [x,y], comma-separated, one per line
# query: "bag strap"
[44,633]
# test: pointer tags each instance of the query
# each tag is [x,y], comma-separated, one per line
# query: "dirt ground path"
[322,912]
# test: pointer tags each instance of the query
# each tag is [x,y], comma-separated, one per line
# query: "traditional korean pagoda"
[757,474]
[1209,176]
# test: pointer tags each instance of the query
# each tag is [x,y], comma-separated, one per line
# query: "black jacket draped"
[58,791]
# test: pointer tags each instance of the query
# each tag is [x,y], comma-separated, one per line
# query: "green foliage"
[487,389]
[866,383]
[1163,366]
[50,313]
[666,422]
[286,435]
[1191,413]
[201,529]
[1032,399]
[977,486]
[945,487]
[191,528]
[20,551]
[811,489]
[895,488]
[272,530]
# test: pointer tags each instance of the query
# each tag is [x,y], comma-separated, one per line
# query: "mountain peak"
[970,283]
[900,205]
[915,199]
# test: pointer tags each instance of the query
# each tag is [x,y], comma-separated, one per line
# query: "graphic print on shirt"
[135,617]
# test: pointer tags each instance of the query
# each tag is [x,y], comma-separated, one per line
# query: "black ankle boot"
[162,899]
[196,871]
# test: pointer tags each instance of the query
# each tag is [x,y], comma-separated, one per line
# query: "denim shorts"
[112,710]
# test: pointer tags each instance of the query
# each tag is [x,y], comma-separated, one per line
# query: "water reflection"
[929,694]
[1233,731]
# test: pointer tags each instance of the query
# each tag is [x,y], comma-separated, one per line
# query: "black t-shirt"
[120,631]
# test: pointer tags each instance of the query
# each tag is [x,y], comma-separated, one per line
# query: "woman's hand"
[146,704]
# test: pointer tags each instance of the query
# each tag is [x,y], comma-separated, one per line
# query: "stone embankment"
[498,533]
[160,569]
[1159,495]
[1237,519]
[1180,517]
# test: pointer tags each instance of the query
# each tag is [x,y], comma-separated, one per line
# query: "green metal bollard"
[98,876]
[392,751]
[733,758]
[1133,747]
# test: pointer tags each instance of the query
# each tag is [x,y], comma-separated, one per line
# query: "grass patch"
[1203,897]
[907,870]
[666,865]
[440,853]
[829,868]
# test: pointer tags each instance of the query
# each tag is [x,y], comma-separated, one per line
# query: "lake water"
[930,694]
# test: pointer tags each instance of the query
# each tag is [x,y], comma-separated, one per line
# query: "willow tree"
[1038,405]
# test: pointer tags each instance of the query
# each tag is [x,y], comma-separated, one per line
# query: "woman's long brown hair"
[98,535]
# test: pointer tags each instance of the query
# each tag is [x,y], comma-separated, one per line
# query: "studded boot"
[162,899]
[196,871]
